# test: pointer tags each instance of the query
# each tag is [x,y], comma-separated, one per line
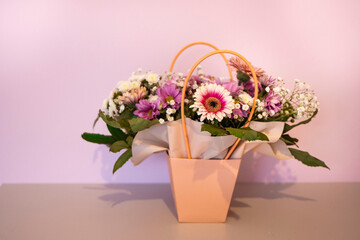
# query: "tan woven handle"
[184,93]
[200,43]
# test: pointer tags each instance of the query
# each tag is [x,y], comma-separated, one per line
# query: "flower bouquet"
[205,124]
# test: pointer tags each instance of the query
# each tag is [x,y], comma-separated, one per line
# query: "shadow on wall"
[254,167]
[107,158]
[152,170]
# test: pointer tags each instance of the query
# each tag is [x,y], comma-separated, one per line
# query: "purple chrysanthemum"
[171,79]
[250,87]
[168,93]
[147,110]
[267,81]
[232,87]
[240,112]
[273,102]
[197,79]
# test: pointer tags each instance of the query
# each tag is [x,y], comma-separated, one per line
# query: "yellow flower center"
[169,98]
[212,104]
[150,113]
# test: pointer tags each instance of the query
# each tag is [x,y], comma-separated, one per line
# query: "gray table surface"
[147,211]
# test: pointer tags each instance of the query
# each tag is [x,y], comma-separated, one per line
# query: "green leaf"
[98,138]
[307,159]
[118,145]
[122,160]
[125,115]
[288,140]
[242,77]
[129,140]
[121,124]
[215,131]
[139,124]
[288,127]
[108,120]
[247,134]
[96,120]
[125,125]
[116,133]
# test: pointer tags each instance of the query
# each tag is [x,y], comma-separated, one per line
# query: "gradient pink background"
[59,59]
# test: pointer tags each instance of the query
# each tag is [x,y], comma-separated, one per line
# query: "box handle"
[184,93]
[200,43]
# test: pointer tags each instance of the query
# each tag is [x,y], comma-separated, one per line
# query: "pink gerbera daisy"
[237,64]
[213,101]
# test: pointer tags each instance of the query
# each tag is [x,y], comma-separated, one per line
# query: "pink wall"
[59,59]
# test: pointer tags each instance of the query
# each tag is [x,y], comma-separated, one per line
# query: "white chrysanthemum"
[124,86]
[153,98]
[152,77]
[105,104]
[161,121]
[135,85]
[246,98]
[136,77]
[213,102]
[122,108]
[112,108]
